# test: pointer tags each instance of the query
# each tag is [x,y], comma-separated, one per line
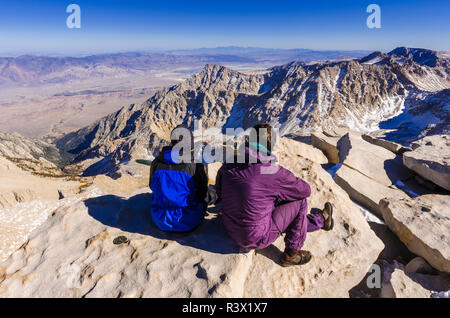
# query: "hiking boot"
[327,215]
[291,257]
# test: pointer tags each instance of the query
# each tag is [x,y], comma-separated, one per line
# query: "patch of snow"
[400,59]
[442,294]
[370,217]
[430,81]
[289,126]
[374,60]
[19,221]
[409,125]
[389,108]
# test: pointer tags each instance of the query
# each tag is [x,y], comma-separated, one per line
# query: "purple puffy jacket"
[248,198]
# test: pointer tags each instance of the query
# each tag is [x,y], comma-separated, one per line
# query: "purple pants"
[293,219]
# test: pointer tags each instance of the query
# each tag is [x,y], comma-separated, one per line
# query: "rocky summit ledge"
[431,159]
[73,255]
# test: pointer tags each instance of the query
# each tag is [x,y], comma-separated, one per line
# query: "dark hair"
[264,135]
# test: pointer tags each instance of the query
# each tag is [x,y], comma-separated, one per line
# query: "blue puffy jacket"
[179,190]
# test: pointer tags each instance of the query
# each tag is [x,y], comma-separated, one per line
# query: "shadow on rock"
[394,249]
[133,215]
[271,252]
[396,171]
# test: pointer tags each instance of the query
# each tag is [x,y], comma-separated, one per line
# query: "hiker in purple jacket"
[259,205]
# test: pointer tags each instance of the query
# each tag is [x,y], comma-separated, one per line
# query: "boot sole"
[288,264]
[332,220]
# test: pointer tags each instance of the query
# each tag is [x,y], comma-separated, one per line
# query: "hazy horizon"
[168,51]
[88,53]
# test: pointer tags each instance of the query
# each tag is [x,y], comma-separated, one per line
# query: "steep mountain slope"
[425,113]
[295,97]
[26,172]
[29,154]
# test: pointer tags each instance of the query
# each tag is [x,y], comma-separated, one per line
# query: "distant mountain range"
[279,55]
[405,91]
[38,70]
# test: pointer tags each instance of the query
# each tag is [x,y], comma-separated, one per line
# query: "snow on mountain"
[394,90]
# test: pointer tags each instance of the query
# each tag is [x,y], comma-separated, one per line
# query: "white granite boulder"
[368,172]
[422,224]
[431,159]
[389,145]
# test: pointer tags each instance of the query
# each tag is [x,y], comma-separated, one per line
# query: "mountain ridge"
[295,97]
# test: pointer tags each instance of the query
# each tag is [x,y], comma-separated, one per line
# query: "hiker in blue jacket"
[180,189]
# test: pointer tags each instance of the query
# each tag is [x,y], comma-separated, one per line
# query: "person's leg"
[315,222]
[293,219]
[296,229]
[282,217]
[290,218]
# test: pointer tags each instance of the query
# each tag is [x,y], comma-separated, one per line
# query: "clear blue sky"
[28,26]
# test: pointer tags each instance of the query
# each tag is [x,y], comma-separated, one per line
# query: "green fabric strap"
[258,147]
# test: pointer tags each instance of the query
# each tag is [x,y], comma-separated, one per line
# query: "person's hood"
[169,156]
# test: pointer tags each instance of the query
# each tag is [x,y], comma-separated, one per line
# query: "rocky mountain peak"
[418,55]
[213,68]
[372,56]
